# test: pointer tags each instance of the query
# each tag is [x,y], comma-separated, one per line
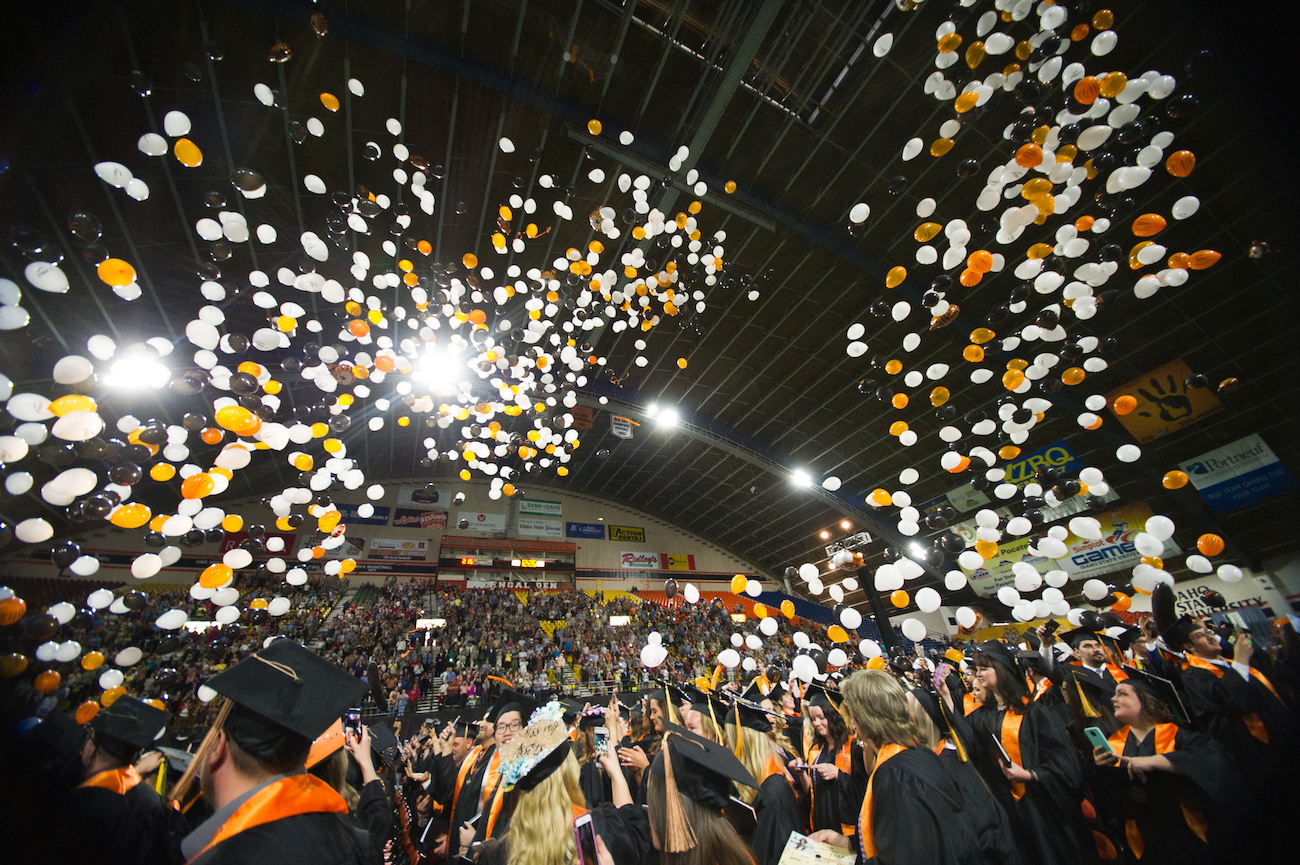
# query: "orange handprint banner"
[1165,402]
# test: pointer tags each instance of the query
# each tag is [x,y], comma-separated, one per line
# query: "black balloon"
[670,588]
[65,553]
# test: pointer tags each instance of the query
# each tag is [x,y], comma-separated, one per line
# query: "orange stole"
[1010,738]
[466,769]
[117,780]
[866,837]
[1253,722]
[1166,735]
[1042,688]
[288,797]
[843,762]
[968,703]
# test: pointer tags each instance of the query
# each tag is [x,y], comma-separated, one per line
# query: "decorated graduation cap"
[131,721]
[1162,689]
[511,701]
[701,770]
[540,748]
[284,696]
[751,715]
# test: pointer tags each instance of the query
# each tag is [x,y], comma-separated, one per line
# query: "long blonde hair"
[878,706]
[927,734]
[755,750]
[541,830]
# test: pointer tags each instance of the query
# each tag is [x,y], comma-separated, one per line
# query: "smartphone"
[352,721]
[602,740]
[940,673]
[1051,626]
[1097,738]
[586,839]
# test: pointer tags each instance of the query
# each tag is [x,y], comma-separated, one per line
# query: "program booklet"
[802,850]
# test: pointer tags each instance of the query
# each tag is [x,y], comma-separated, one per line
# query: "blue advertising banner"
[1239,474]
[591,531]
[1019,472]
[352,518]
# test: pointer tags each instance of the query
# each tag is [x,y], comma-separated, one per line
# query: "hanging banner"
[393,550]
[351,549]
[591,531]
[540,508]
[352,518]
[629,534]
[997,571]
[620,427]
[1068,508]
[582,417]
[1055,456]
[640,561]
[1250,591]
[1086,558]
[540,527]
[1165,403]
[423,497]
[480,522]
[414,518]
[1239,474]
[677,561]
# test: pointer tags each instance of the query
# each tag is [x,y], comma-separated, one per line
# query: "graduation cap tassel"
[1088,710]
[680,835]
[740,735]
[201,756]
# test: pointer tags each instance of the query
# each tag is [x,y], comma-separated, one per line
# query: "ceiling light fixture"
[800,478]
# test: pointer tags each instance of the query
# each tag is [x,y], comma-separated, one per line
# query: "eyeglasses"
[511,727]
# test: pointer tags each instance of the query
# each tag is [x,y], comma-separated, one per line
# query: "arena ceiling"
[788,99]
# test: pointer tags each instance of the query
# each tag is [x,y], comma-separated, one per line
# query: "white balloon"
[1200,564]
[729,658]
[225,597]
[1008,596]
[928,600]
[128,656]
[68,651]
[1094,590]
[850,618]
[768,626]
[859,212]
[691,593]
[655,638]
[34,530]
[1160,527]
[1230,573]
[110,679]
[227,615]
[278,606]
[99,599]
[954,581]
[804,668]
[801,640]
[966,617]
[46,651]
[145,566]
[914,629]
[206,694]
[172,619]
[753,588]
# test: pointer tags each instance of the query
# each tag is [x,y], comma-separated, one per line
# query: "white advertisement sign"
[541,508]
[641,561]
[479,522]
[541,528]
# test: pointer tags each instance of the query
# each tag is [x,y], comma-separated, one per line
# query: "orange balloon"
[941,146]
[900,400]
[238,420]
[1087,89]
[1180,164]
[131,515]
[188,153]
[980,260]
[211,435]
[12,665]
[1012,379]
[939,396]
[970,277]
[110,696]
[967,100]
[358,328]
[973,353]
[11,610]
[1174,480]
[987,549]
[896,275]
[330,101]
[1203,258]
[115,272]
[1149,224]
[92,660]
[197,485]
[876,664]
[729,187]
[787,609]
[1073,375]
[961,466]
[215,574]
[1008,452]
[738,583]
[1029,155]
[837,634]
[1124,404]
[47,681]
[760,611]
[232,522]
[162,471]
[594,127]
[899,598]
[1122,602]
[86,711]
[881,497]
[981,335]
[1209,545]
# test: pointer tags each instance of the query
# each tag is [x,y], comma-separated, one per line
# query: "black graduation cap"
[572,709]
[132,721]
[1000,653]
[384,742]
[703,770]
[1075,636]
[1162,689]
[177,760]
[281,691]
[823,697]
[779,690]
[702,702]
[463,728]
[531,757]
[751,715]
[930,706]
[512,701]
[754,693]
[1032,661]
[1180,632]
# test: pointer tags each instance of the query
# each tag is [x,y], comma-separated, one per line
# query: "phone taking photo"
[586,840]
[352,721]
[601,737]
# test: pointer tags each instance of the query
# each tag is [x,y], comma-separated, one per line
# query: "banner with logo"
[423,497]
[1055,456]
[540,527]
[392,550]
[414,518]
[640,561]
[480,522]
[1165,403]
[630,534]
[620,427]
[677,562]
[352,518]
[350,549]
[540,508]
[1239,474]
[591,531]
[997,571]
[1086,558]
[1068,508]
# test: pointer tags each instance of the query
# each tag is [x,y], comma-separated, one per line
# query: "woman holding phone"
[1162,785]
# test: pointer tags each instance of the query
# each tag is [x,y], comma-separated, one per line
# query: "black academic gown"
[596,787]
[319,838]
[625,831]
[133,828]
[776,815]
[835,804]
[374,815]
[988,821]
[920,815]
[1048,818]
[1220,706]
[1157,809]
[471,792]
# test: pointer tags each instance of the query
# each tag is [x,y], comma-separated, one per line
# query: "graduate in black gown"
[777,812]
[113,817]
[836,779]
[268,809]
[1025,756]
[544,799]
[1089,677]
[914,811]
[1160,785]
